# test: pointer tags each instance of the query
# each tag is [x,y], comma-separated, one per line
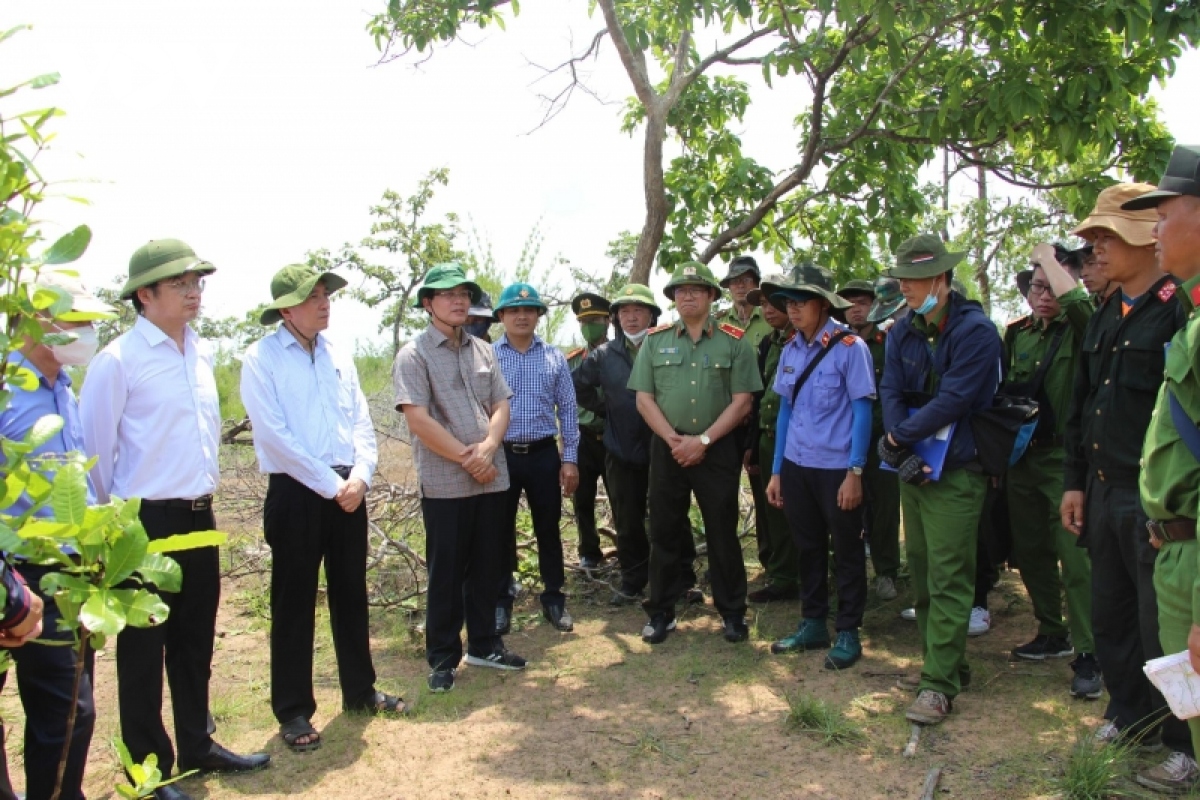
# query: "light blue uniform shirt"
[26,408]
[819,432]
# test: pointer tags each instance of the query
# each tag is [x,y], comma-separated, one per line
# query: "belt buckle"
[1158,532]
[520,449]
[202,503]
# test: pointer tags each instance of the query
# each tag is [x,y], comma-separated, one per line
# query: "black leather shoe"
[221,760]
[503,620]
[735,629]
[559,617]
[170,793]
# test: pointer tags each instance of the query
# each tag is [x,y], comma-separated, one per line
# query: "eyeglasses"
[453,294]
[690,291]
[185,287]
[1039,288]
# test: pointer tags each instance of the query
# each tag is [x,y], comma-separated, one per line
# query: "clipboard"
[932,449]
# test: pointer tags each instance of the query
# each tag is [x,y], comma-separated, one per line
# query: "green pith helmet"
[888,299]
[160,259]
[691,273]
[923,256]
[760,295]
[741,266]
[851,288]
[806,279]
[636,294]
[292,285]
[520,295]
[590,304]
[446,276]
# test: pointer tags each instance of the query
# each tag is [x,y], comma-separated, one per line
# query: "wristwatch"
[857,471]
[704,440]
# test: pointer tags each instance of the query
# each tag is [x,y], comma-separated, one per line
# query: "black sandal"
[387,704]
[293,730]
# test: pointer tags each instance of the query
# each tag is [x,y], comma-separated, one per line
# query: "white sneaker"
[981,622]
[1107,733]
[909,614]
[885,588]
[1177,775]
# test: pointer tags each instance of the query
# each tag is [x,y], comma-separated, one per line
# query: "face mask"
[477,329]
[593,331]
[930,302]
[636,338]
[81,350]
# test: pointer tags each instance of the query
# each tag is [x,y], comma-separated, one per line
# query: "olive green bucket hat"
[923,256]
[160,259]
[807,278]
[636,294]
[860,287]
[690,273]
[447,276]
[742,265]
[292,285]
[762,293]
[888,299]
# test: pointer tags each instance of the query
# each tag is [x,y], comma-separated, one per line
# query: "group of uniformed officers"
[846,407]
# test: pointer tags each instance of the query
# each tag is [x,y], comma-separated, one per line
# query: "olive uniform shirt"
[588,421]
[694,382]
[1170,479]
[756,327]
[768,409]
[877,343]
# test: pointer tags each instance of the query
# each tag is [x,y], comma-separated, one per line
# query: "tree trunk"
[656,195]
[981,267]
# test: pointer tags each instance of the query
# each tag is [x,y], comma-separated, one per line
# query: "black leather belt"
[1171,530]
[343,472]
[522,448]
[202,503]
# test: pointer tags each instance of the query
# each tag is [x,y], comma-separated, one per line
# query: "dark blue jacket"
[967,361]
[601,386]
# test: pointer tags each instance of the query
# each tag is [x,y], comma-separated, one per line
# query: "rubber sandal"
[291,731]
[387,704]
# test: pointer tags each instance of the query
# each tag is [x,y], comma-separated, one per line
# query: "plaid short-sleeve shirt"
[459,387]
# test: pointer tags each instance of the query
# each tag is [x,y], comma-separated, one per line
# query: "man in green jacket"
[591,311]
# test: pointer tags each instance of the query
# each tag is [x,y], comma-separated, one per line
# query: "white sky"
[260,129]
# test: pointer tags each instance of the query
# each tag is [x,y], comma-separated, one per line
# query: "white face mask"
[636,338]
[80,351]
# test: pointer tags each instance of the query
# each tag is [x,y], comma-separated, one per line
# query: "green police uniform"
[591,469]
[777,548]
[1170,487]
[1035,483]
[756,328]
[883,490]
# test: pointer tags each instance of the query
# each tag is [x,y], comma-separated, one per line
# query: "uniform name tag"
[669,351]
[789,370]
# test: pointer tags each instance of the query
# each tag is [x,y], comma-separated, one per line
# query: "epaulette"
[660,328]
[1167,291]
[732,330]
[790,336]
[580,351]
[1195,295]
[849,339]
[1021,322]
[880,337]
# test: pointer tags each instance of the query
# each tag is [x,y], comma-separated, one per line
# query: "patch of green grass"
[1097,772]
[810,714]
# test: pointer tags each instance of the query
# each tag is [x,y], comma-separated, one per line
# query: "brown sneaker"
[929,708]
[1177,775]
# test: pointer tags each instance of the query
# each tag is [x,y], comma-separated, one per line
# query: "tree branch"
[633,61]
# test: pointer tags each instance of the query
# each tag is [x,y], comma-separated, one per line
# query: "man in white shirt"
[313,436]
[152,420]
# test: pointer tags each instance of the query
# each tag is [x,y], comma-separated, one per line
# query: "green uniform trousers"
[1040,543]
[779,558]
[1175,584]
[882,514]
[941,520]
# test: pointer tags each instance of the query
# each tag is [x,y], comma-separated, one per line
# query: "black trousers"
[810,503]
[463,542]
[628,491]
[45,681]
[591,472]
[303,529]
[1125,610]
[184,642]
[714,481]
[536,474]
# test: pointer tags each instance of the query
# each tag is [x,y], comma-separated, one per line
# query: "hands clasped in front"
[688,450]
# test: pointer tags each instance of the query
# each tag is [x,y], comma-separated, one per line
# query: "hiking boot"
[1177,775]
[980,622]
[773,594]
[658,629]
[929,708]
[559,617]
[1043,647]
[1087,682]
[811,635]
[885,588]
[497,659]
[503,620]
[734,629]
[909,614]
[441,680]
[845,652]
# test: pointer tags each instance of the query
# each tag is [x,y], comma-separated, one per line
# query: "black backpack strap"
[1039,377]
[842,333]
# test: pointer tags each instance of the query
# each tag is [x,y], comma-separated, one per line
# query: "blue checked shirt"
[541,385]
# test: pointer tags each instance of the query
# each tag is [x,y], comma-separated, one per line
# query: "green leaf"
[42,81]
[102,613]
[68,498]
[125,556]
[47,529]
[69,246]
[161,571]
[144,609]
[44,430]
[188,541]
[22,378]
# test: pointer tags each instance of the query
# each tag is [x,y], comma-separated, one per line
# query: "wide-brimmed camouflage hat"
[923,256]
[760,294]
[636,294]
[856,287]
[807,280]
[521,295]
[888,299]
[446,276]
[292,285]
[160,259]
[590,304]
[690,273]
[742,265]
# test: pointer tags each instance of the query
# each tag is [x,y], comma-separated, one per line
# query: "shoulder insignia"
[732,330]
[880,336]
[1195,295]
[789,337]
[1167,291]
[660,328]
[825,337]
[578,352]
[849,339]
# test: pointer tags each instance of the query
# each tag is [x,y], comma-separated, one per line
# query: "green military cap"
[160,259]
[446,276]
[292,285]
[888,299]
[1024,279]
[587,304]
[761,294]
[923,256]
[1182,177]
[807,279]
[851,288]
[521,295]
[636,294]
[741,266]
[690,273]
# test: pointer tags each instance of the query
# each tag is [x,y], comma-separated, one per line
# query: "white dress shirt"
[308,412]
[151,416]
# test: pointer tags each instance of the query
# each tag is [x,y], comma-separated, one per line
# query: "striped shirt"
[541,383]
